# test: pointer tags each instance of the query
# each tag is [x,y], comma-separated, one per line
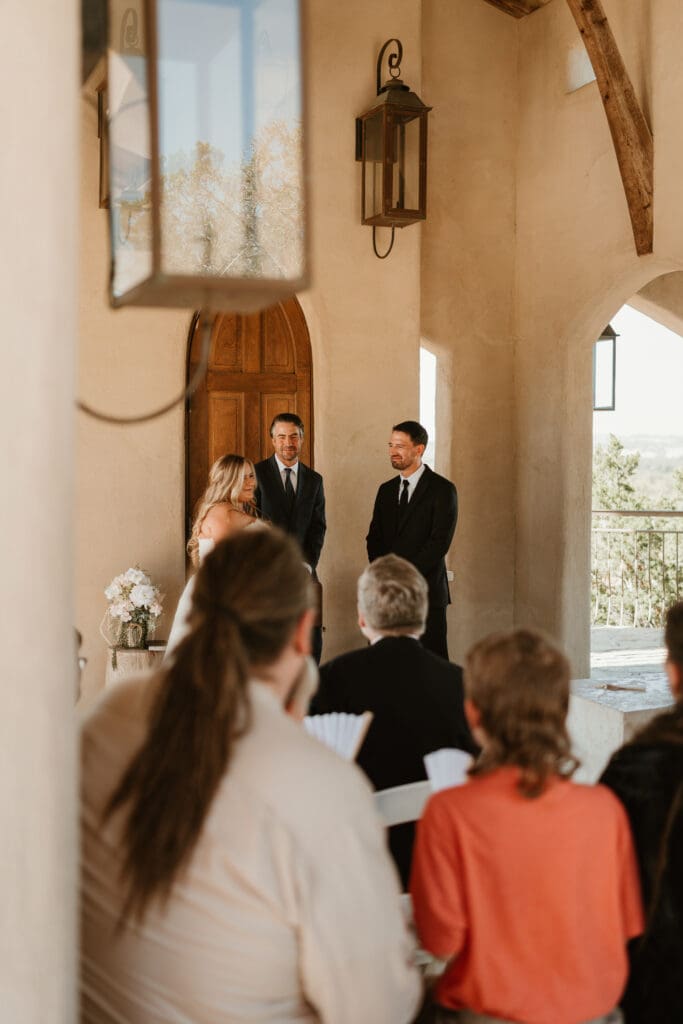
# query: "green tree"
[635,573]
[613,471]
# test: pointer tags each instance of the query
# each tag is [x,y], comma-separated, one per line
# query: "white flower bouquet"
[135,605]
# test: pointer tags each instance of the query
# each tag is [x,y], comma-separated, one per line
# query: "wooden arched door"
[259,365]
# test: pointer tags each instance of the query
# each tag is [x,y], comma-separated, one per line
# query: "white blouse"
[289,911]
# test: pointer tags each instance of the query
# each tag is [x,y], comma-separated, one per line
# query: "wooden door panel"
[278,351]
[259,366]
[226,424]
[220,381]
[226,349]
[251,329]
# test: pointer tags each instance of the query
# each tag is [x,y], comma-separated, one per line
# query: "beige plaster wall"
[576,265]
[363,313]
[363,316]
[130,479]
[468,254]
[662,300]
[38,296]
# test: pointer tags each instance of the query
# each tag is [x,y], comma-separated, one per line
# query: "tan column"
[38,299]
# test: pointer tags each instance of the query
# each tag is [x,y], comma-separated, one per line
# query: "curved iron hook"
[394,61]
[374,243]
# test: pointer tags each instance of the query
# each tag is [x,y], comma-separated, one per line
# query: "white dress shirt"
[413,481]
[289,910]
[293,476]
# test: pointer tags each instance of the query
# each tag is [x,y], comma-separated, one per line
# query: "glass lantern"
[391,143]
[206,155]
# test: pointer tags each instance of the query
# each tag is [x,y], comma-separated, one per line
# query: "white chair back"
[400,804]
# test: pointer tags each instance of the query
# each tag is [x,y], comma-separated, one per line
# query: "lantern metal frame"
[396,105]
[608,335]
[194,291]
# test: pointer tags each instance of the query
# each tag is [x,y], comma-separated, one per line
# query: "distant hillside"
[660,457]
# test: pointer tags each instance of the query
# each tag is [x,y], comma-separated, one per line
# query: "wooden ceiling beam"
[631,134]
[518,8]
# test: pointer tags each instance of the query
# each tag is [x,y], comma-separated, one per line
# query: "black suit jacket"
[417,702]
[306,521]
[424,532]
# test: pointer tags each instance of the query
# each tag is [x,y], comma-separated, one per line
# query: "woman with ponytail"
[233,868]
[226,506]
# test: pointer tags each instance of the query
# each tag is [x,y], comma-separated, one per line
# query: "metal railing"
[636,572]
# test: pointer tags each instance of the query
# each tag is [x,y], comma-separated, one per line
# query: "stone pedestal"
[601,720]
[131,662]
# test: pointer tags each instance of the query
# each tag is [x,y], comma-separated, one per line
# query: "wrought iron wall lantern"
[605,371]
[391,143]
[206,154]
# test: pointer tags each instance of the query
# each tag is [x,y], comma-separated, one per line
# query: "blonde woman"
[226,506]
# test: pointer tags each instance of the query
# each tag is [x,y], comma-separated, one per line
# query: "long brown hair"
[519,683]
[225,484]
[248,596]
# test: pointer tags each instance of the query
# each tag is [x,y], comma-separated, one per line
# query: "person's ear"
[472,714]
[674,672]
[302,633]
[361,620]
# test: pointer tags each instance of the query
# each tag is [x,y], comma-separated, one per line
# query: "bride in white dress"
[226,506]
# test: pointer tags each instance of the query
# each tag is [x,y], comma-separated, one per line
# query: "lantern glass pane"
[405,186]
[129,149]
[230,139]
[373,128]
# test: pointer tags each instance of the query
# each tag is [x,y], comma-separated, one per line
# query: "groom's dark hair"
[288,417]
[415,431]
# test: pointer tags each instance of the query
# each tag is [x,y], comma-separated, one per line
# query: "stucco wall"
[576,265]
[130,479]
[363,316]
[363,313]
[470,79]
[38,295]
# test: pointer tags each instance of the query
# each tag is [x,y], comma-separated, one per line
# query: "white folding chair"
[396,806]
[400,804]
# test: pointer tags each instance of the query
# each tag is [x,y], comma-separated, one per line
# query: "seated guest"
[226,506]
[525,881]
[647,776]
[220,882]
[415,696]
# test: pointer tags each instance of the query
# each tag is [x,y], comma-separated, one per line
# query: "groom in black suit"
[291,495]
[414,516]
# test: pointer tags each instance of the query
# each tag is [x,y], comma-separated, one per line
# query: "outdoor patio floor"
[622,655]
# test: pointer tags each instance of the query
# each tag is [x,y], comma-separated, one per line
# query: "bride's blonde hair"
[226,481]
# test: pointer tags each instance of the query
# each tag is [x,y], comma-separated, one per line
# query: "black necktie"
[403,500]
[289,488]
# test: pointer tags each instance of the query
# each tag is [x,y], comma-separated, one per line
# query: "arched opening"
[259,365]
[637,492]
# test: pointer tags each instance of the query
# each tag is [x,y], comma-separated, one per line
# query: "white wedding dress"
[180,627]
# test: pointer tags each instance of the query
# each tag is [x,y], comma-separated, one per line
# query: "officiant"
[291,495]
[416,697]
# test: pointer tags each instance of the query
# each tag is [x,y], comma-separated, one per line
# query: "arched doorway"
[259,365]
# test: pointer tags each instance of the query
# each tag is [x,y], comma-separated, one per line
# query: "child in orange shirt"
[526,882]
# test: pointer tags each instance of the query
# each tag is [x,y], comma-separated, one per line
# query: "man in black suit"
[291,495]
[415,516]
[416,697]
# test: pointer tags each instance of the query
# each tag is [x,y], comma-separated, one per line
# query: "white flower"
[143,595]
[155,609]
[136,576]
[121,610]
[113,591]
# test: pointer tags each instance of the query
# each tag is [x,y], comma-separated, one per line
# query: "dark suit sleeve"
[374,541]
[330,693]
[315,535]
[442,530]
